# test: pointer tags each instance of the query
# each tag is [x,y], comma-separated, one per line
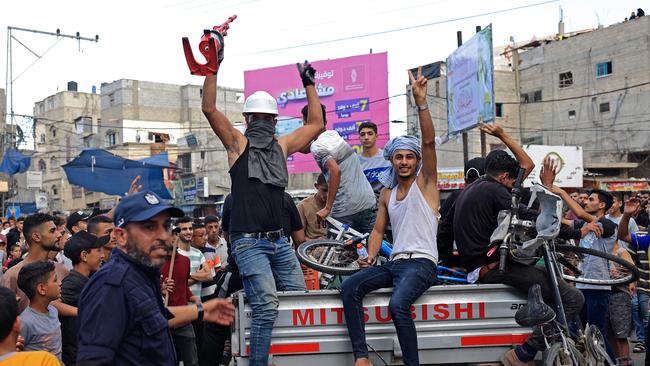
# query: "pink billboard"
[353,90]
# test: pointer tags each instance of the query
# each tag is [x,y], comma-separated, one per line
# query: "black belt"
[270,235]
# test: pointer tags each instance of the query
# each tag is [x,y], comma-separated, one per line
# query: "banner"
[353,90]
[451,178]
[625,186]
[568,160]
[470,83]
[34,179]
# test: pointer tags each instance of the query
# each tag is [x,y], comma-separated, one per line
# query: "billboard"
[353,90]
[470,83]
[567,158]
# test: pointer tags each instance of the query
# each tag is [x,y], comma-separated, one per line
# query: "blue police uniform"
[122,318]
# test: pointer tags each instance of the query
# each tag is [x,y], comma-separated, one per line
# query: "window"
[572,114]
[537,96]
[111,138]
[41,165]
[604,69]
[566,79]
[498,107]
[111,99]
[42,138]
[87,141]
[184,161]
[54,163]
[55,190]
[53,131]
[437,88]
[83,125]
[604,107]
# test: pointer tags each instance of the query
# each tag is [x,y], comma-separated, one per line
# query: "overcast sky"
[141,39]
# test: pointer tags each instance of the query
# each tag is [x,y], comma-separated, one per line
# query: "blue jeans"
[265,267]
[362,221]
[409,279]
[594,311]
[640,315]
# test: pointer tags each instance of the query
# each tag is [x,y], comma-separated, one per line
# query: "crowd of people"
[144,284]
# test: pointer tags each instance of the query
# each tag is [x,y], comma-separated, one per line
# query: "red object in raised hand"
[211,47]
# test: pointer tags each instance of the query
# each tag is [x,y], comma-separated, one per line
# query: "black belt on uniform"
[270,235]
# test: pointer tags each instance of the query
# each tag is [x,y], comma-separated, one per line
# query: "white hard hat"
[261,102]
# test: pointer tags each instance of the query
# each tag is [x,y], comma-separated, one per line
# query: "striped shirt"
[196,259]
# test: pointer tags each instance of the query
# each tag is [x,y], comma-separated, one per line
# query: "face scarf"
[266,160]
[388,178]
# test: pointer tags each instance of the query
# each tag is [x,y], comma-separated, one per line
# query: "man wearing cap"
[77,221]
[122,318]
[409,202]
[85,252]
[259,175]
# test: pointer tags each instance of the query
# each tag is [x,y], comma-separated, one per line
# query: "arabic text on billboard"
[470,83]
[353,89]
[568,160]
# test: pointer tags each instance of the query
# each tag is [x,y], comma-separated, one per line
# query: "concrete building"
[65,122]
[591,89]
[588,88]
[142,118]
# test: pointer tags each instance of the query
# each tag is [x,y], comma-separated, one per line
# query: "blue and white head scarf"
[389,177]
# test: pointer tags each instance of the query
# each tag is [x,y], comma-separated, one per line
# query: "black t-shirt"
[256,206]
[71,288]
[475,218]
[225,226]
[290,216]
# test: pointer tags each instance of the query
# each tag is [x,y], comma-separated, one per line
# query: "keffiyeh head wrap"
[389,177]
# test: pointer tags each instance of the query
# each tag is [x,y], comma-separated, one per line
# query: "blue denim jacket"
[122,319]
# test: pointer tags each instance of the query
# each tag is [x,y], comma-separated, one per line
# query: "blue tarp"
[14,162]
[100,171]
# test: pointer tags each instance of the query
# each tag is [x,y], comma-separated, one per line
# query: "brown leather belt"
[487,268]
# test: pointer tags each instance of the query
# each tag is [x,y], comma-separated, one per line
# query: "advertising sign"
[451,178]
[568,160]
[34,179]
[625,186]
[353,90]
[470,83]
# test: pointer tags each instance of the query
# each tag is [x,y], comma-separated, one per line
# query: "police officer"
[122,319]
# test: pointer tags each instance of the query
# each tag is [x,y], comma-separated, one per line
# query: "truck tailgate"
[455,324]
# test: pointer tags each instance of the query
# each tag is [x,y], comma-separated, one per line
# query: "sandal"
[639,348]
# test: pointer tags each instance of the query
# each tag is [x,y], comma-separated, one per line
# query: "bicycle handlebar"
[514,207]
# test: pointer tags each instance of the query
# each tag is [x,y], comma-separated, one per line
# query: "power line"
[404,28]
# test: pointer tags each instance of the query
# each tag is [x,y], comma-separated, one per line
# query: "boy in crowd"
[371,158]
[41,328]
[85,252]
[308,208]
[10,326]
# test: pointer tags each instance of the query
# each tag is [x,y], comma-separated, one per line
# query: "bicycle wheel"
[328,256]
[573,261]
[595,345]
[557,356]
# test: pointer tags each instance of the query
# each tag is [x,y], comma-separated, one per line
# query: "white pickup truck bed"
[457,324]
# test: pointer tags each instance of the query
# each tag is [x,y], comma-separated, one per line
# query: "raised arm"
[632,207]
[524,160]
[233,140]
[428,176]
[314,125]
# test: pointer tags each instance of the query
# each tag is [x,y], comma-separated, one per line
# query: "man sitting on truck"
[410,203]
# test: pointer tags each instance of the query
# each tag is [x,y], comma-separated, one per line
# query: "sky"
[141,39]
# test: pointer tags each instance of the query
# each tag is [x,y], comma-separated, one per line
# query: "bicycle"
[561,261]
[338,256]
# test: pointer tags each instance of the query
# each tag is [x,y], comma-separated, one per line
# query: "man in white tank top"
[410,203]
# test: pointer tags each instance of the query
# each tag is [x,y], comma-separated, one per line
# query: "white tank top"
[414,223]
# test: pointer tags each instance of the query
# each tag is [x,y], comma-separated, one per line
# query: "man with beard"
[410,204]
[42,236]
[122,318]
[259,175]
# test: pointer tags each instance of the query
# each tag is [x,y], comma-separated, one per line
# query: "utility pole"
[483,143]
[459,40]
[9,136]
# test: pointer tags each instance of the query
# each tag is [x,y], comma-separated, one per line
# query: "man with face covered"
[126,291]
[258,170]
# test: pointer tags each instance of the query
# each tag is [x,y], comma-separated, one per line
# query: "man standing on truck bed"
[258,171]
[410,202]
